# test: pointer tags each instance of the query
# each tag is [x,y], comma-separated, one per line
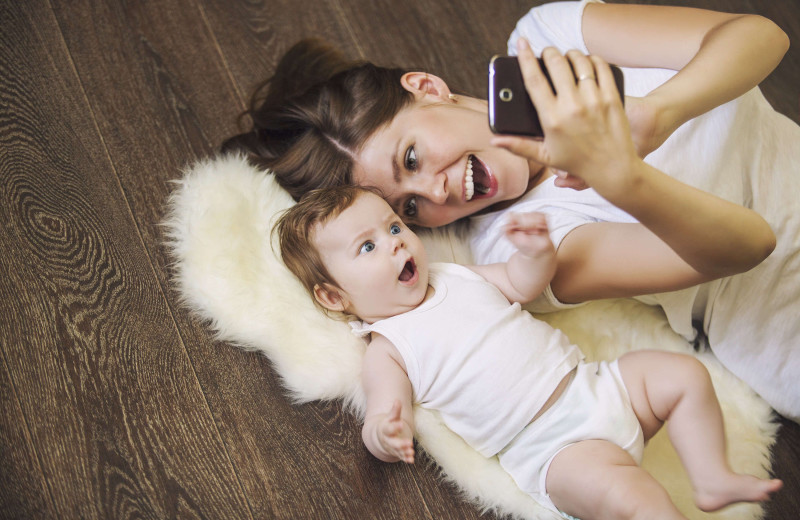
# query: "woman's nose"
[435,189]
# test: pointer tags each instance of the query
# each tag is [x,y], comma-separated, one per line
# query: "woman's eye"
[410,208]
[395,229]
[411,159]
[366,247]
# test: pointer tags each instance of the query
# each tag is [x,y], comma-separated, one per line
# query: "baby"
[570,433]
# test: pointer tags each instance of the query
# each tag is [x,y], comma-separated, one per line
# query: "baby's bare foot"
[715,495]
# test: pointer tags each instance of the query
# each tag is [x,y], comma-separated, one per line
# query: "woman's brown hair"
[315,113]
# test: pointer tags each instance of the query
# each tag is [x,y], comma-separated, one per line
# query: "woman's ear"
[330,297]
[422,84]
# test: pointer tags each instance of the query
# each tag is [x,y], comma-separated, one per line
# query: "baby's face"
[379,264]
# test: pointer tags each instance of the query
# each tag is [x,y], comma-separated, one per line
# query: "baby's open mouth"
[476,180]
[409,270]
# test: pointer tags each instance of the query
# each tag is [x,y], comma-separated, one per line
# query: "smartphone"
[510,108]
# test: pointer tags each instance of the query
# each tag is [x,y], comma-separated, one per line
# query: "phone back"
[510,108]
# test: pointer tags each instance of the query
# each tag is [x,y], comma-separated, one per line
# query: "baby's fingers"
[400,447]
[529,222]
[405,452]
[396,411]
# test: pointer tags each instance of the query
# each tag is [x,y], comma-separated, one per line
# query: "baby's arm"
[530,269]
[388,430]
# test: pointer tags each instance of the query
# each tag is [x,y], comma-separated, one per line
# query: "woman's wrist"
[630,181]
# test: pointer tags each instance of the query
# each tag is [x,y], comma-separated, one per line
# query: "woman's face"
[435,164]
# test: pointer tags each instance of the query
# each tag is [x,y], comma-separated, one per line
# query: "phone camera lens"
[506,94]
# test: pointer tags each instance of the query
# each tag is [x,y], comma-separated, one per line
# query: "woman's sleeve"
[556,24]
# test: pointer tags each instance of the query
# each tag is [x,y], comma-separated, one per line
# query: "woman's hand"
[650,124]
[586,130]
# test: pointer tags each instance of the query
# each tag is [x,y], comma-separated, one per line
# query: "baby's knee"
[635,499]
[694,370]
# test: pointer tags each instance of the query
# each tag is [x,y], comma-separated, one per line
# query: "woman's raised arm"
[719,56]
[587,135]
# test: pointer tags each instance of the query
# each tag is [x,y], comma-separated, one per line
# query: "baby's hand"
[529,233]
[395,435]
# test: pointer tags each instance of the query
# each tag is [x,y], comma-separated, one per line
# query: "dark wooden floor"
[114,402]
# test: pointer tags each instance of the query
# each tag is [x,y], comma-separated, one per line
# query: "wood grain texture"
[23,492]
[115,401]
[116,416]
[454,40]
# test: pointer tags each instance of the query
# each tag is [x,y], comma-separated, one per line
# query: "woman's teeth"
[469,185]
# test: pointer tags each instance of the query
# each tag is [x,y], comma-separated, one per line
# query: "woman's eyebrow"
[395,165]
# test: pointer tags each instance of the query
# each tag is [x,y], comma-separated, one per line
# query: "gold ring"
[586,76]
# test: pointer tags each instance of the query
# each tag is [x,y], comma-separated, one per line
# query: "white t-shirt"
[742,151]
[483,363]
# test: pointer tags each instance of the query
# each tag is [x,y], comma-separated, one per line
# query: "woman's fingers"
[536,83]
[605,80]
[560,71]
[585,75]
[585,128]
[523,146]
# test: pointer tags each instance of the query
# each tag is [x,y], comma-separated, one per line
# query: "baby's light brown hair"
[296,227]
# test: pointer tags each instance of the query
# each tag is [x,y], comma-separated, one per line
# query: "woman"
[407,134]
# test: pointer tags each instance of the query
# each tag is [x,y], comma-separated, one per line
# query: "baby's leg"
[596,480]
[676,388]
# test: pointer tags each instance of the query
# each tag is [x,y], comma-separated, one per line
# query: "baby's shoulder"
[380,351]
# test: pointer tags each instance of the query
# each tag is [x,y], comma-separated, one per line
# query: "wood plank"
[454,40]
[253,35]
[288,459]
[23,493]
[116,416]
[786,465]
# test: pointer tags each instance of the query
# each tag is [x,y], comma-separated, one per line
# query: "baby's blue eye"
[395,229]
[366,247]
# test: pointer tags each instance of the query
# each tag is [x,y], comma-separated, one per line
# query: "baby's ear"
[330,297]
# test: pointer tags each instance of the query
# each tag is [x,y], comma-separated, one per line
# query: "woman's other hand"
[649,125]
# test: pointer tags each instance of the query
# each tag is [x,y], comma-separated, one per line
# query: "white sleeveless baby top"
[484,364]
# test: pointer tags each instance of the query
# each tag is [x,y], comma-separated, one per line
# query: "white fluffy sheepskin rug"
[218,232]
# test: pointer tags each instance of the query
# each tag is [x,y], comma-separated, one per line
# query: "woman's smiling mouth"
[478,183]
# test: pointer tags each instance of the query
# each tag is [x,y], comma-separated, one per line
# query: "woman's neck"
[539,173]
